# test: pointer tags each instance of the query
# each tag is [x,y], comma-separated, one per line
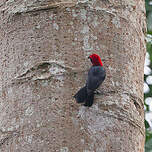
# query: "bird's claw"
[98,92]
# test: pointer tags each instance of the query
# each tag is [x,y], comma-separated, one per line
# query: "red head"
[95,59]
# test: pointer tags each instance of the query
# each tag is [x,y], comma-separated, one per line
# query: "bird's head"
[95,59]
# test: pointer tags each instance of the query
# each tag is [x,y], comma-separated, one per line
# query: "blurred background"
[148,78]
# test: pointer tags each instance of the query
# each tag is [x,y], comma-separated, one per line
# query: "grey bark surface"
[44,47]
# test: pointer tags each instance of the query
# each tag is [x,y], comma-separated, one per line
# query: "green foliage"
[148,4]
[148,7]
[149,49]
[148,144]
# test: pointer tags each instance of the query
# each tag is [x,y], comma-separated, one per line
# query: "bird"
[96,76]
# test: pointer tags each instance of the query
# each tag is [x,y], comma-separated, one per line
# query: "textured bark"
[44,47]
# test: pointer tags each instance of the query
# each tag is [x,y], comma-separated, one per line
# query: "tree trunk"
[44,47]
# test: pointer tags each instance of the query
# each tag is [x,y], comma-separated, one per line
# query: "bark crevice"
[8,135]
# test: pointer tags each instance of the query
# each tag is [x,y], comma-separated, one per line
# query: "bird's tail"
[89,99]
[81,95]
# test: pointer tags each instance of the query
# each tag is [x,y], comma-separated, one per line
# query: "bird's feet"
[98,92]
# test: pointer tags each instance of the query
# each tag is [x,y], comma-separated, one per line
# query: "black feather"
[81,95]
[96,76]
[89,100]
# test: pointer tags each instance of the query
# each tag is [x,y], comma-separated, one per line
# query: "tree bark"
[44,47]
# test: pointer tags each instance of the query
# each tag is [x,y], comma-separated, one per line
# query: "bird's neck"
[98,64]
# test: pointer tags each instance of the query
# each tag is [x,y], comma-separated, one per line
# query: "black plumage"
[96,75]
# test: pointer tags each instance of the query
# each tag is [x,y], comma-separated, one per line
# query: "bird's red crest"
[95,59]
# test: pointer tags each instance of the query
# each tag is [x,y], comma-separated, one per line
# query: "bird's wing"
[96,76]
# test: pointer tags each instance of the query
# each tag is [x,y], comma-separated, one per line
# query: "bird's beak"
[90,59]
